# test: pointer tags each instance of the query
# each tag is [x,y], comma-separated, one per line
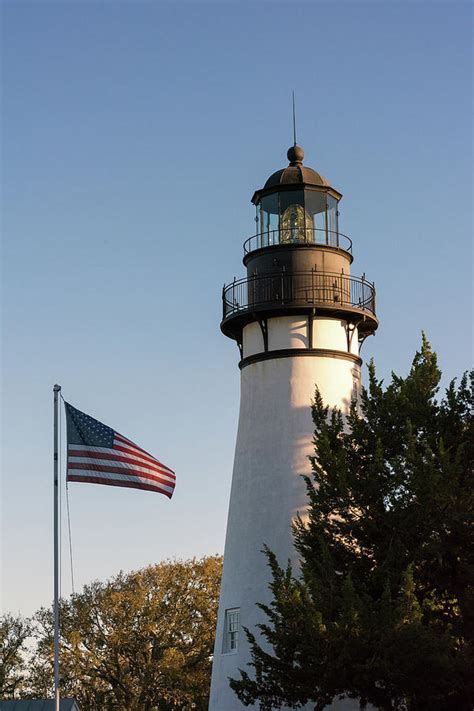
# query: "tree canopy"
[14,634]
[383,608]
[140,641]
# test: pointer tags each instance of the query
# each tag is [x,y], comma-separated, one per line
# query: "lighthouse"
[299,317]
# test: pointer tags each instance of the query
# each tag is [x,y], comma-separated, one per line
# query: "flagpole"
[56,391]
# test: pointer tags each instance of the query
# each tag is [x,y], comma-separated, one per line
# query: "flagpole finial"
[56,388]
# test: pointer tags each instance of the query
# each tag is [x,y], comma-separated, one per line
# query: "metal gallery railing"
[305,288]
[298,235]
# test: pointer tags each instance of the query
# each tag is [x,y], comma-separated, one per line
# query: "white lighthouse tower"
[298,317]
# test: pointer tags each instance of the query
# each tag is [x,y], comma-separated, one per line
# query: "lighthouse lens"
[292,217]
[293,225]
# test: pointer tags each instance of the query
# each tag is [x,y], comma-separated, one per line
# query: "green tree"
[383,609]
[14,633]
[140,641]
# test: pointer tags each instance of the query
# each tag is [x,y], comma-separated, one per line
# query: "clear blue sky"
[134,134]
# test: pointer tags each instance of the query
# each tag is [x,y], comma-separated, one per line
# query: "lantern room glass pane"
[333,230]
[269,220]
[315,203]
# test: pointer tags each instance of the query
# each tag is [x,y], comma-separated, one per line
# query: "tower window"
[231,630]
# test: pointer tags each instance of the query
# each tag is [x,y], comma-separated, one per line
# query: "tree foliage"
[140,641]
[383,610]
[14,633]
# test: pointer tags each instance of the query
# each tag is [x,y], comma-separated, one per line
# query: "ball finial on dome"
[295,154]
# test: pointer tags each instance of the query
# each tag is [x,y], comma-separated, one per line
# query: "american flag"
[99,455]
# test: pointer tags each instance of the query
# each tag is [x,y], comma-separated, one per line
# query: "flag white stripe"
[139,452]
[118,453]
[124,442]
[122,465]
[90,448]
[117,435]
[127,443]
[85,473]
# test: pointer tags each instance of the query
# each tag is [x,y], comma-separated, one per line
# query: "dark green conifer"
[383,610]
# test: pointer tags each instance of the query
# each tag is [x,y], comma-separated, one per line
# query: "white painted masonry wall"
[292,332]
[274,440]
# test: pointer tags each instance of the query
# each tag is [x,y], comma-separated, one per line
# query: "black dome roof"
[294,175]
[296,172]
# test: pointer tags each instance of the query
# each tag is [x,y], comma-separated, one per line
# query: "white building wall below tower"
[273,443]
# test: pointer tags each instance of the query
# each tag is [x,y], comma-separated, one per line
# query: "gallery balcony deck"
[282,293]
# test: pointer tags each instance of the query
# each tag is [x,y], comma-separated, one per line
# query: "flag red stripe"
[129,443]
[140,453]
[115,482]
[120,470]
[117,435]
[156,466]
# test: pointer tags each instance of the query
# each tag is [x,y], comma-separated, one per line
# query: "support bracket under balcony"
[350,328]
[311,316]
[262,322]
[240,345]
[363,337]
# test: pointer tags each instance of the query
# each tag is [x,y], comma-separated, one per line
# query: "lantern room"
[297,205]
